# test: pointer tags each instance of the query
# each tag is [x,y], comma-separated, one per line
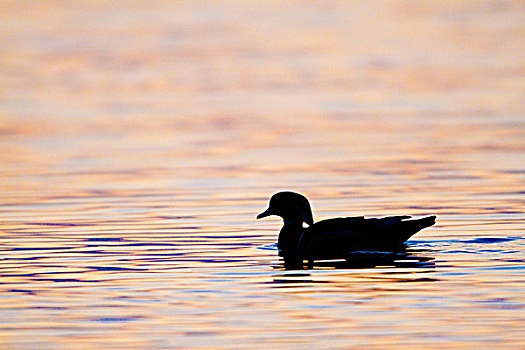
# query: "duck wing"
[396,230]
[335,238]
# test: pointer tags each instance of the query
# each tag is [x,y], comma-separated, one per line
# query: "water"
[139,140]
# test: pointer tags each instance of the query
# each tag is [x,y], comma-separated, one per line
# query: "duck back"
[335,238]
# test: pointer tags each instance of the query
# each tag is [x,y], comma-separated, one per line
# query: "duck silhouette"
[335,238]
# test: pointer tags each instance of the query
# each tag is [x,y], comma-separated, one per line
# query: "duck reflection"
[408,260]
[365,259]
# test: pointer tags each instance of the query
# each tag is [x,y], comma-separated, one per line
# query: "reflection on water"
[366,259]
[139,140]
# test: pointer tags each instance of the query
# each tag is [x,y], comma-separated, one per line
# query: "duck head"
[293,207]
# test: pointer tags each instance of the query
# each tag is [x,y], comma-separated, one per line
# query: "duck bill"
[264,214]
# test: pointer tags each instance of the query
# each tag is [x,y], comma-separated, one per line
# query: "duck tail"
[411,227]
[428,221]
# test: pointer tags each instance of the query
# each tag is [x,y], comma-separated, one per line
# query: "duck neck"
[289,237]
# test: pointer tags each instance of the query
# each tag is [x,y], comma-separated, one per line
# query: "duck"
[301,239]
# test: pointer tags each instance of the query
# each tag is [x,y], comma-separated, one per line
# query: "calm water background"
[138,140]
